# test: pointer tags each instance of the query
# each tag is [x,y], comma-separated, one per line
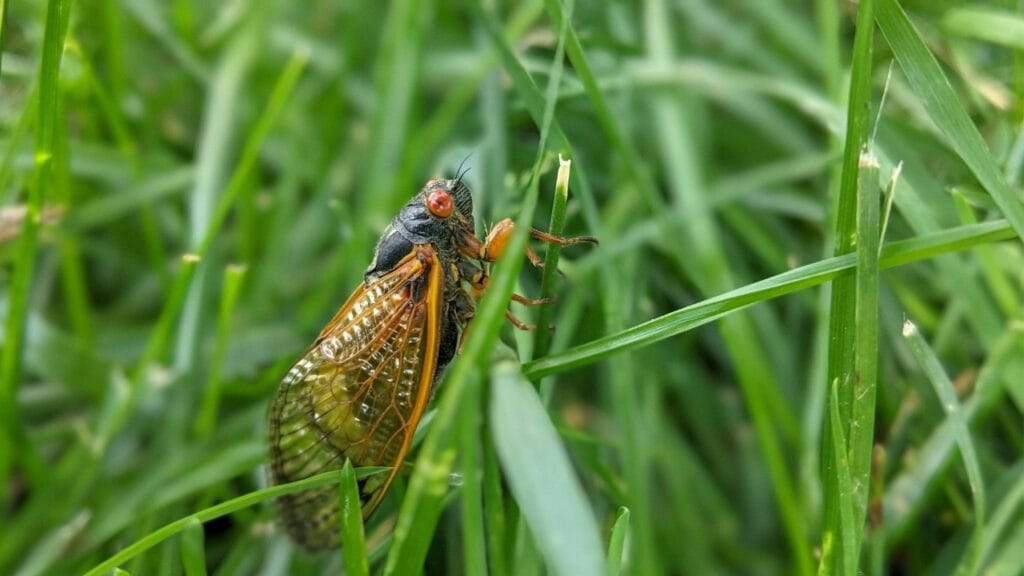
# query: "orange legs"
[494,246]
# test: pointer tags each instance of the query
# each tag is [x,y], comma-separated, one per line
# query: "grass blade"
[219,510]
[58,13]
[542,337]
[617,543]
[279,96]
[847,558]
[988,24]
[474,547]
[907,492]
[353,541]
[234,274]
[540,475]
[954,412]
[862,401]
[944,108]
[193,555]
[711,309]
[842,339]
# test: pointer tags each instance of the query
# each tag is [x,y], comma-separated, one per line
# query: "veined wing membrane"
[358,393]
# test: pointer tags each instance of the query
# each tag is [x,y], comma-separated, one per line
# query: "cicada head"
[440,214]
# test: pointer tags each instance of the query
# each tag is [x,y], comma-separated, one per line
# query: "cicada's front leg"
[494,246]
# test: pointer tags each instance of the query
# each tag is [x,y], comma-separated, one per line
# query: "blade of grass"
[474,547]
[1007,563]
[73,279]
[862,398]
[1004,513]
[540,475]
[944,108]
[618,542]
[279,96]
[907,492]
[58,13]
[844,495]
[4,5]
[150,18]
[542,336]
[223,509]
[428,139]
[15,138]
[988,24]
[353,541]
[213,152]
[193,554]
[842,315]
[1002,289]
[494,510]
[38,559]
[685,319]
[954,412]
[234,275]
[396,82]
[159,339]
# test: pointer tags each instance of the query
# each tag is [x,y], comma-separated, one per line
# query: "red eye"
[439,202]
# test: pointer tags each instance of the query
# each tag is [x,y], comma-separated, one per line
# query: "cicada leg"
[494,246]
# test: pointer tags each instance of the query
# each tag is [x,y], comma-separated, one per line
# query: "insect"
[359,391]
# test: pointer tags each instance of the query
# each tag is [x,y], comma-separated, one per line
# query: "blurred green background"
[710,149]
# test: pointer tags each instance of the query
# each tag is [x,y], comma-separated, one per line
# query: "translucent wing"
[358,393]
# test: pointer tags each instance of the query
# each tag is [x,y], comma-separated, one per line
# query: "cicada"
[361,388]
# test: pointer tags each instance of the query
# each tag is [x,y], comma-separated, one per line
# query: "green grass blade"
[542,336]
[219,510]
[149,16]
[907,492]
[213,152]
[711,309]
[207,418]
[279,96]
[842,338]
[847,558]
[495,516]
[954,412]
[944,108]
[474,546]
[618,542]
[4,5]
[353,541]
[541,477]
[864,386]
[396,74]
[988,24]
[58,13]
[193,554]
[159,338]
[1009,508]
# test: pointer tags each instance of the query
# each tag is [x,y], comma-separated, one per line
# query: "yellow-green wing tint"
[358,393]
